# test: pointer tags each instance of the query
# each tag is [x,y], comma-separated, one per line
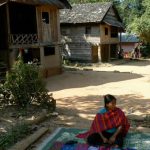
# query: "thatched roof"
[84,13]
[90,13]
[58,3]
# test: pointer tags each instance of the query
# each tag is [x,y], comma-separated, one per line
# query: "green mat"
[137,140]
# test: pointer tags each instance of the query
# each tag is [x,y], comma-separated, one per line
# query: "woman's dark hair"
[108,98]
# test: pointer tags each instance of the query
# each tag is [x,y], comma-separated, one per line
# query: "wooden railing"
[16,39]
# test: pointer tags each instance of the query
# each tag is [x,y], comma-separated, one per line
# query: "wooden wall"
[128,46]
[79,44]
[112,17]
[53,23]
[80,51]
[50,64]
[106,39]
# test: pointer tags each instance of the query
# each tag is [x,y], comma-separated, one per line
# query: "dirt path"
[79,93]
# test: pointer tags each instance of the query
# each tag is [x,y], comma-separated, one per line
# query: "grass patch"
[13,135]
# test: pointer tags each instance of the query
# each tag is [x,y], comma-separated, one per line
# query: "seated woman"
[109,127]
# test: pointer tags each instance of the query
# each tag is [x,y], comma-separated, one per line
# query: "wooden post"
[99,52]
[120,41]
[109,56]
[39,25]
[8,34]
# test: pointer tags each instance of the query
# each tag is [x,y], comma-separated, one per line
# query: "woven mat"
[135,140]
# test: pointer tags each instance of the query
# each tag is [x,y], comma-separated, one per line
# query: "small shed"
[128,43]
[90,32]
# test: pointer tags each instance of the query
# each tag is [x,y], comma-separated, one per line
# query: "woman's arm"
[118,131]
[113,138]
[105,140]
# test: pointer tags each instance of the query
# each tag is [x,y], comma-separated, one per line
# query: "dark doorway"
[105,56]
[31,55]
[3,28]
[22,18]
[94,54]
[113,51]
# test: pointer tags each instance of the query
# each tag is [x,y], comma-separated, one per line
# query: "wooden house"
[90,32]
[31,28]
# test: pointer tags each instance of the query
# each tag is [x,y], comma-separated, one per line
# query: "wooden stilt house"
[90,32]
[32,28]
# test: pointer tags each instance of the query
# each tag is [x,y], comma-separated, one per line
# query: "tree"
[130,9]
[141,24]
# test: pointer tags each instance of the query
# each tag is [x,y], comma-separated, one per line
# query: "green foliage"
[141,24]
[25,85]
[14,134]
[4,95]
[66,62]
[145,50]
[129,10]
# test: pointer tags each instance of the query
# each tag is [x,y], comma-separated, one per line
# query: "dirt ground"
[79,92]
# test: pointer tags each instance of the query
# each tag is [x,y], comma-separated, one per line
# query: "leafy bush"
[145,50]
[26,85]
[4,95]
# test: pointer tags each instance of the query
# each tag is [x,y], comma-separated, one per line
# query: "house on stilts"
[31,28]
[90,32]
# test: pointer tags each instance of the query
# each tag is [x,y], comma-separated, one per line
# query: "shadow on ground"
[79,111]
[131,62]
[86,78]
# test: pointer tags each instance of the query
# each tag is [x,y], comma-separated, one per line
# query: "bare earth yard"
[79,93]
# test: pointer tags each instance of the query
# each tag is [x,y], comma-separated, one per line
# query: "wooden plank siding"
[105,39]
[79,43]
[54,22]
[111,15]
[80,51]
[39,22]
[50,64]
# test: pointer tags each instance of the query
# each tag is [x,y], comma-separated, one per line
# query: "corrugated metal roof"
[129,38]
[58,3]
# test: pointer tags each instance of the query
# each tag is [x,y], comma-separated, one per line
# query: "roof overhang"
[59,3]
[2,3]
[114,23]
